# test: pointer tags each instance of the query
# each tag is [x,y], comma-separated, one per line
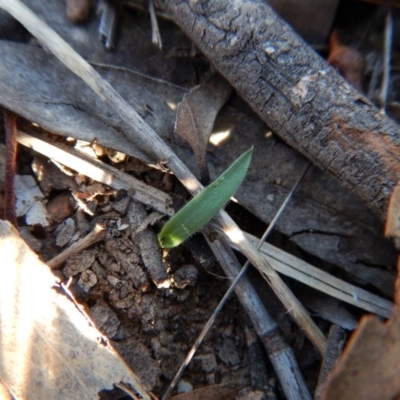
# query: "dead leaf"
[48,349]
[196,116]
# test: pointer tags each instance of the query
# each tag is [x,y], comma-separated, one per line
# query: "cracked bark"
[296,93]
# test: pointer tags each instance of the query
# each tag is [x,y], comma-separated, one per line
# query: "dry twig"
[299,96]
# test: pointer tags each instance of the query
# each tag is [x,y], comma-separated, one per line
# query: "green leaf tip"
[205,205]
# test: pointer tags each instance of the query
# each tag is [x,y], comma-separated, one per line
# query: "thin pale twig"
[93,237]
[155,31]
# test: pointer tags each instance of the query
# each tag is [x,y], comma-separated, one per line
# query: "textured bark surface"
[296,93]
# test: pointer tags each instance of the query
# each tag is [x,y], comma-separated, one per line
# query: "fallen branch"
[296,93]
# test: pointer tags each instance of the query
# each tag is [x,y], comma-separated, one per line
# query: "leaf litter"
[121,303]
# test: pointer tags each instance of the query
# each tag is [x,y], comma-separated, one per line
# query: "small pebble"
[184,386]
[87,280]
[186,276]
[65,232]
[228,353]
[61,207]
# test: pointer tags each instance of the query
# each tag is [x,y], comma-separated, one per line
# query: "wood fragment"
[392,228]
[99,171]
[387,55]
[149,249]
[155,30]
[280,76]
[258,370]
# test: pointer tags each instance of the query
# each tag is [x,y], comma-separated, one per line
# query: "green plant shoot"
[204,206]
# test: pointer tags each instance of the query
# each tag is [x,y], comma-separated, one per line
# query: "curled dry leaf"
[196,116]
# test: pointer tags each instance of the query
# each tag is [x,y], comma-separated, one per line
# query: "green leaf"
[203,207]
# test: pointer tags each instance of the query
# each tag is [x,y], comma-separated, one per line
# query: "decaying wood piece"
[149,249]
[297,93]
[10,127]
[336,341]
[154,146]
[96,235]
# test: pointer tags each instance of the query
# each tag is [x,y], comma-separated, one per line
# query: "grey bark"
[296,93]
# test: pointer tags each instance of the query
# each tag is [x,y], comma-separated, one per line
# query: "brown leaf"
[196,116]
[48,349]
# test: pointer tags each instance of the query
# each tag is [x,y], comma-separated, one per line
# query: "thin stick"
[156,148]
[10,125]
[93,237]
[280,354]
[387,50]
[227,294]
